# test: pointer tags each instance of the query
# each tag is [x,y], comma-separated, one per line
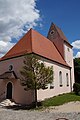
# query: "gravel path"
[36,115]
[52,113]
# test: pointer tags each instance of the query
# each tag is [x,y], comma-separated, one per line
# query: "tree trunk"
[35,95]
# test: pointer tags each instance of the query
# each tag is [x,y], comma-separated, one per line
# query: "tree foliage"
[35,71]
[77,69]
[35,74]
[76,88]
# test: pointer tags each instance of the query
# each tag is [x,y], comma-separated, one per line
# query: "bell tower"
[58,38]
[54,35]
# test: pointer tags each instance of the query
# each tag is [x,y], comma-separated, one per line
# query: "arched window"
[67,79]
[60,78]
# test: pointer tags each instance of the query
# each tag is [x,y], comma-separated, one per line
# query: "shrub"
[76,88]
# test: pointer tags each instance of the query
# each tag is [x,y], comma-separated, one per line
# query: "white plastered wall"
[69,59]
[24,97]
[42,94]
[19,95]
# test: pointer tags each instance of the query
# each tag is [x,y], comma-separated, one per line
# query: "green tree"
[77,69]
[35,74]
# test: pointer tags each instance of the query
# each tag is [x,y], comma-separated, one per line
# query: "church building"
[54,50]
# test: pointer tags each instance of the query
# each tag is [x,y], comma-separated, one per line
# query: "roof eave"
[68,43]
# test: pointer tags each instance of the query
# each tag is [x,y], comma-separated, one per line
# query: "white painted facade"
[69,60]
[61,60]
[57,89]
[26,97]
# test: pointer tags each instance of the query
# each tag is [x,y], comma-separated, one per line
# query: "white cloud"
[77,55]
[14,15]
[76,44]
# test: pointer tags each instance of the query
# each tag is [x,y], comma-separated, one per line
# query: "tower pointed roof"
[59,32]
[34,42]
[58,38]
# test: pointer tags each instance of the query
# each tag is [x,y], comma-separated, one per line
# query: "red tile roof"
[58,38]
[59,31]
[62,35]
[23,46]
[33,42]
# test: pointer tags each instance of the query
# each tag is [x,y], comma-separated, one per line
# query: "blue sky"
[18,16]
[65,14]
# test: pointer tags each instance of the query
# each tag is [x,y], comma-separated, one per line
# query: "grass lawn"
[60,99]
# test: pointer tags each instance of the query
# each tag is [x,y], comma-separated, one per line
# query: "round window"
[52,32]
